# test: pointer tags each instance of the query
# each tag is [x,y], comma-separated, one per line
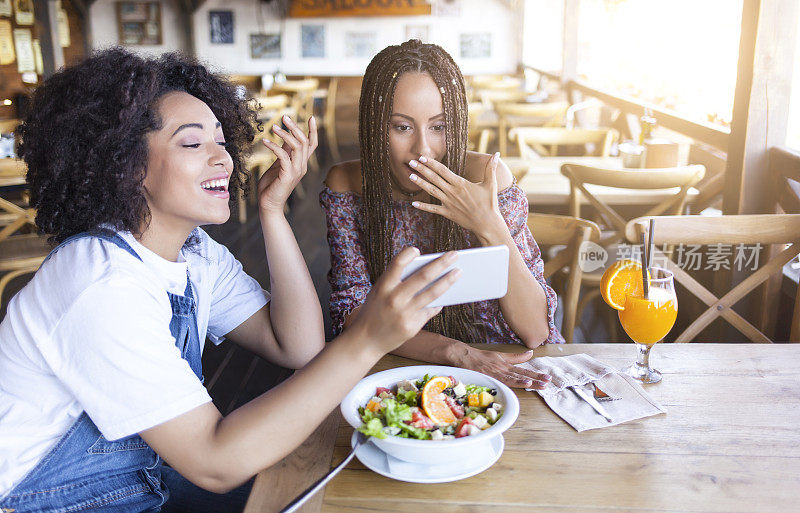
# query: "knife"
[580,392]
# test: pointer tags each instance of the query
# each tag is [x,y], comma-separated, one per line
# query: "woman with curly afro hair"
[100,353]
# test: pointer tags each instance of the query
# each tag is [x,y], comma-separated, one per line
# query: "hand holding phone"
[484,275]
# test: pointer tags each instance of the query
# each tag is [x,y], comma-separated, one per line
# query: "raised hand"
[290,166]
[471,205]
[396,310]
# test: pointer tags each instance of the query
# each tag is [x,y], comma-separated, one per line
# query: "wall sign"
[7,55]
[5,7]
[341,8]
[23,12]
[23,43]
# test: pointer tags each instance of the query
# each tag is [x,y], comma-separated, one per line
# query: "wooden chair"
[302,96]
[785,170]
[681,179]
[481,127]
[20,253]
[533,142]
[511,115]
[551,230]
[763,230]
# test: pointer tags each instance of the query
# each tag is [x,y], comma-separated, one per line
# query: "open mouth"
[218,185]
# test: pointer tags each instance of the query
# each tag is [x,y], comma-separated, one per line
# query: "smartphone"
[484,275]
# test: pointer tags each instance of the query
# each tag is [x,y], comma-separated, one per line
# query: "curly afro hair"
[84,139]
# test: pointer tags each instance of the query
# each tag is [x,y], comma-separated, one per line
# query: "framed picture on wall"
[312,40]
[265,46]
[221,27]
[360,44]
[476,46]
[139,23]
[417,32]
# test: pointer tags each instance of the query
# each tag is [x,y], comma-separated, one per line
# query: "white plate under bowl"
[424,451]
[483,456]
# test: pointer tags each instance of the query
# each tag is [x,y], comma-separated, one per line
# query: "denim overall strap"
[100,233]
[183,327]
[86,471]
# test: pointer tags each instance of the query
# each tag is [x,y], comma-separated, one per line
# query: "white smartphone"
[484,275]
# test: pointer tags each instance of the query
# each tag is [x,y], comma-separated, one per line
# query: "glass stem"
[643,358]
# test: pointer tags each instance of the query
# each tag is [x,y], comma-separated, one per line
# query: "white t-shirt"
[90,332]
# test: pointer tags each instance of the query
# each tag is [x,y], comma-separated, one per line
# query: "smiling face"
[186,181]
[416,126]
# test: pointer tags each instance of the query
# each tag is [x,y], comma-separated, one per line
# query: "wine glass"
[648,320]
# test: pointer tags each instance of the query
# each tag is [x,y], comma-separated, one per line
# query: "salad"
[431,408]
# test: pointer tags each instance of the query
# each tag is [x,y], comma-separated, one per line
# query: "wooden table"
[730,442]
[544,185]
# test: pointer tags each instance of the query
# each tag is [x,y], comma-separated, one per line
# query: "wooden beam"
[713,135]
[45,12]
[760,109]
[569,53]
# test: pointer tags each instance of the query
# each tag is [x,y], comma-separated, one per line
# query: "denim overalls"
[84,470]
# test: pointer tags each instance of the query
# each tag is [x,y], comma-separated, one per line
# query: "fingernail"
[413,177]
[422,159]
[529,351]
[413,163]
[312,119]
[416,250]
[546,378]
[415,203]
[496,156]
[528,384]
[276,127]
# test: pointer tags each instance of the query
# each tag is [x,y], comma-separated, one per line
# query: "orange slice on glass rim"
[433,404]
[620,280]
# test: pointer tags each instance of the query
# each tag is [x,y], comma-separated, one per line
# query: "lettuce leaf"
[373,428]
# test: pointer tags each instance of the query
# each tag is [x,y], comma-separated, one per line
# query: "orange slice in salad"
[433,404]
[620,280]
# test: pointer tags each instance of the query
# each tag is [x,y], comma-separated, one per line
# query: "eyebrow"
[412,119]
[193,125]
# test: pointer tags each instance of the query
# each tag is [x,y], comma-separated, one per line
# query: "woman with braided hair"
[416,184]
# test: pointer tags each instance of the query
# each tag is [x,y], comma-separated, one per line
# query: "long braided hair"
[375,109]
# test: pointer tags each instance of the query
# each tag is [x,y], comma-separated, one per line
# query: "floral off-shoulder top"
[349,277]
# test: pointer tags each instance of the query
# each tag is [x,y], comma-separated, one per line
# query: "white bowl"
[430,451]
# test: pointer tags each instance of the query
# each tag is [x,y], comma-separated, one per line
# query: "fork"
[600,395]
[314,488]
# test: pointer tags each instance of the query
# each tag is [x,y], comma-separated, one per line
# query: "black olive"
[493,391]
[449,391]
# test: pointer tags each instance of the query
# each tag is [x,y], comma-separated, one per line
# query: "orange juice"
[647,321]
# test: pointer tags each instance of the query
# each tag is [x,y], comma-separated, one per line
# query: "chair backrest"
[527,114]
[496,82]
[551,230]
[271,103]
[738,236]
[533,142]
[680,178]
[493,97]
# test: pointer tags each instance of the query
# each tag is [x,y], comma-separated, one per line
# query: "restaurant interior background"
[711,86]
